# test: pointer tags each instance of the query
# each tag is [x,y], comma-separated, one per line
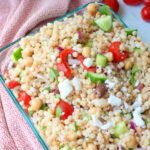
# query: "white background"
[131,15]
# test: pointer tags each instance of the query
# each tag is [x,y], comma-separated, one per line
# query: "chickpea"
[35,104]
[91,147]
[28,61]
[92,111]
[109,56]
[132,142]
[92,8]
[66,43]
[27,53]
[86,52]
[128,64]
[71,136]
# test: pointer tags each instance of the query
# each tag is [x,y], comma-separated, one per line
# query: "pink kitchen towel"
[17,17]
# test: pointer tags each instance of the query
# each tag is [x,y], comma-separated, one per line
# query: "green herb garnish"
[44,107]
[57,96]
[48,88]
[75,126]
[53,74]
[31,112]
[58,112]
[133,73]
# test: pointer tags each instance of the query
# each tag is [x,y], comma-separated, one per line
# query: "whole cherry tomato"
[146,2]
[63,110]
[12,84]
[146,13]
[117,54]
[114,4]
[23,96]
[132,2]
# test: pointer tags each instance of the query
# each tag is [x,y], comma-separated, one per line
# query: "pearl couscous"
[85,83]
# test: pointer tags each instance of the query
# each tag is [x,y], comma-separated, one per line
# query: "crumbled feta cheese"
[110,84]
[114,101]
[138,101]
[124,89]
[137,117]
[65,88]
[76,83]
[108,70]
[53,57]
[126,105]
[136,83]
[88,62]
[107,125]
[77,47]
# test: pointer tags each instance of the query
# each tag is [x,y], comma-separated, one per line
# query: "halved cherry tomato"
[23,96]
[64,66]
[12,84]
[146,13]
[117,54]
[133,2]
[114,4]
[146,2]
[63,110]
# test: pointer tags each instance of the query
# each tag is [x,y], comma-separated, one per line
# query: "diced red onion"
[140,86]
[132,125]
[60,48]
[80,35]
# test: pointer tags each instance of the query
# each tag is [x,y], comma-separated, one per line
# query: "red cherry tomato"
[146,2]
[65,109]
[146,13]
[117,54]
[133,2]
[23,96]
[113,4]
[12,84]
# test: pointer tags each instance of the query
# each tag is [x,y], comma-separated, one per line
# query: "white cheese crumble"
[137,102]
[88,62]
[124,89]
[114,101]
[137,117]
[76,83]
[65,88]
[110,84]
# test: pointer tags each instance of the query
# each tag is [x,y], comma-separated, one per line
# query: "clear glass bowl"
[5,53]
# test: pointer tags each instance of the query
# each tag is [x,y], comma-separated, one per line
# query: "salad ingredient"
[63,110]
[35,104]
[128,64]
[105,10]
[130,31]
[146,2]
[16,55]
[101,60]
[101,90]
[95,77]
[65,88]
[105,23]
[92,8]
[114,101]
[109,56]
[120,129]
[138,50]
[12,84]
[133,74]
[23,96]
[145,13]
[76,83]
[53,74]
[133,2]
[114,4]
[117,54]
[88,62]
[86,52]
[75,126]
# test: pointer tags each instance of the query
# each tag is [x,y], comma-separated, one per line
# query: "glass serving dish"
[4,53]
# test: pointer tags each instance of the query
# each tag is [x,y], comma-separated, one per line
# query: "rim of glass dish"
[25,116]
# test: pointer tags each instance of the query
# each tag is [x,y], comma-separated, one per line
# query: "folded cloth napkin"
[17,17]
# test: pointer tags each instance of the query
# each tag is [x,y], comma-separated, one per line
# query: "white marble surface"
[131,15]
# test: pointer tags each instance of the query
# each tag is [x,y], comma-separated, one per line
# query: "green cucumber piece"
[16,55]
[96,78]
[120,129]
[130,31]
[101,60]
[65,147]
[137,50]
[105,23]
[54,74]
[105,10]
[58,112]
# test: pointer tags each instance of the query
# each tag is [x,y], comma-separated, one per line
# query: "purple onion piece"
[60,48]
[101,90]
[132,125]
[140,86]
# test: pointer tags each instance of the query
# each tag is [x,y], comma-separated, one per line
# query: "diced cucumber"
[53,74]
[65,147]
[120,129]
[105,23]
[96,78]
[138,50]
[134,69]
[16,55]
[130,31]
[58,112]
[105,10]
[101,60]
